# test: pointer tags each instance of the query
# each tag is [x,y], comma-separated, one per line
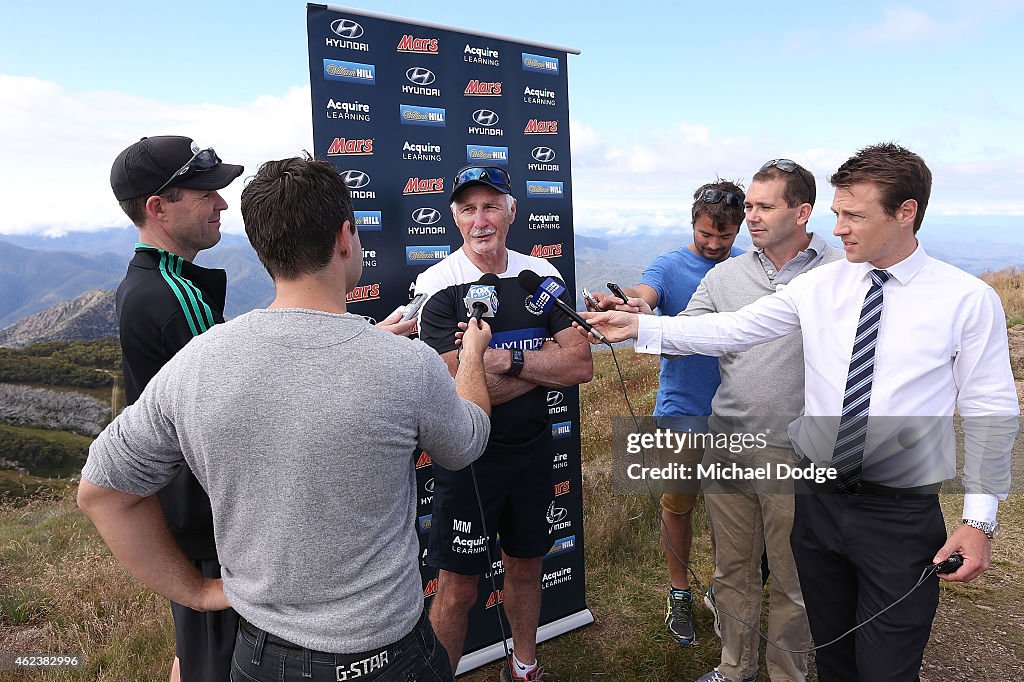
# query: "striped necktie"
[853,425]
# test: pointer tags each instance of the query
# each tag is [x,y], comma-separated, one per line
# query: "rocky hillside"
[89,316]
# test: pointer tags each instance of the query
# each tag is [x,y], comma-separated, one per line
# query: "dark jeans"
[417,657]
[855,555]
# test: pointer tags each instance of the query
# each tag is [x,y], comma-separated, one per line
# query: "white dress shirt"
[941,346]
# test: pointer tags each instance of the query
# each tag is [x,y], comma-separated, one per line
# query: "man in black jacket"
[168,186]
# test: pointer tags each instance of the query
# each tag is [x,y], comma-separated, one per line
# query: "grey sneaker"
[679,616]
[709,601]
[715,676]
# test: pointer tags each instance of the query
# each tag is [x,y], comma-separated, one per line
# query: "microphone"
[482,298]
[545,294]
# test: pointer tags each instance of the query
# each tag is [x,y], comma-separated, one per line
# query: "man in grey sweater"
[300,421]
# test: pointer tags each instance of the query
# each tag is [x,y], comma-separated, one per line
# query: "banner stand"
[544,633]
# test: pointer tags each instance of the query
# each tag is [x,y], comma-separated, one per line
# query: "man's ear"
[155,208]
[907,212]
[343,240]
[805,214]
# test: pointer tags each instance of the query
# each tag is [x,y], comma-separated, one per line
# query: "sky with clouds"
[662,97]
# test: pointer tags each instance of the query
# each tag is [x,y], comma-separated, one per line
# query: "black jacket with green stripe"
[162,303]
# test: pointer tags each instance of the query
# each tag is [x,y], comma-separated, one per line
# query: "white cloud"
[58,147]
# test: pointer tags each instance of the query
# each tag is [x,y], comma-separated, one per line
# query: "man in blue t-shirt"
[687,384]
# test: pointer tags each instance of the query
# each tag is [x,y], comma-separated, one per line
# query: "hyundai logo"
[354,179]
[420,76]
[426,215]
[555,398]
[371,320]
[346,28]
[429,485]
[556,514]
[543,154]
[485,117]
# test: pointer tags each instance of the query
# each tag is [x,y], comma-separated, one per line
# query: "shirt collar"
[816,245]
[905,270]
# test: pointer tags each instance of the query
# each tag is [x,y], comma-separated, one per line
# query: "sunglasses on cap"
[489,174]
[789,166]
[202,160]
[713,196]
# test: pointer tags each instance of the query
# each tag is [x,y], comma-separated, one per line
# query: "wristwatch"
[518,360]
[991,530]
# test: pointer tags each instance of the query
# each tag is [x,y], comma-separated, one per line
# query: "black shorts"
[204,641]
[516,491]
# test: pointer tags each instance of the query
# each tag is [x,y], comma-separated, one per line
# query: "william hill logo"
[546,250]
[417,45]
[364,292]
[475,88]
[494,599]
[424,461]
[535,127]
[424,186]
[345,147]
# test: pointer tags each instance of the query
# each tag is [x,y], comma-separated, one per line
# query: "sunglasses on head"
[713,196]
[491,174]
[202,160]
[789,166]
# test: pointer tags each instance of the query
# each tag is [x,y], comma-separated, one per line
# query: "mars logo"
[555,402]
[562,488]
[355,180]
[424,461]
[424,186]
[420,78]
[431,589]
[347,31]
[494,599]
[417,45]
[485,120]
[535,127]
[345,147]
[476,88]
[560,460]
[543,156]
[546,251]
[363,292]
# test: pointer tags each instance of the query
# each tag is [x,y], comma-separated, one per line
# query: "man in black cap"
[532,348]
[168,186]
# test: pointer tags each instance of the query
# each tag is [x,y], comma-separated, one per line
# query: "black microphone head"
[490,280]
[529,280]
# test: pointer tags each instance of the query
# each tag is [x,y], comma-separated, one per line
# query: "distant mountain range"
[89,316]
[38,273]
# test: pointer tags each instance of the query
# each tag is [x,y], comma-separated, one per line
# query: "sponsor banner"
[368,221]
[349,72]
[454,91]
[478,153]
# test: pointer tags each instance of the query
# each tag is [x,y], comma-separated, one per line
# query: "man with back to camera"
[686,384]
[310,475]
[894,342]
[168,186]
[530,350]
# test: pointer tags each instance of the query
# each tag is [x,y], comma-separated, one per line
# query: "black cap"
[481,174]
[141,169]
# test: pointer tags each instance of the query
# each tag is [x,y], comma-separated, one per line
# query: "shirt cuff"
[980,507]
[648,335]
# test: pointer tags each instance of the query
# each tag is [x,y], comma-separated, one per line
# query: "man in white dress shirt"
[896,336]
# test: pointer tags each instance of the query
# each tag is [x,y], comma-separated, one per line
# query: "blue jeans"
[417,657]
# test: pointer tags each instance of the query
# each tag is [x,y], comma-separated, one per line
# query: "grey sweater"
[762,389]
[302,427]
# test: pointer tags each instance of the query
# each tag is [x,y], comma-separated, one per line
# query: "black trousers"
[856,554]
[204,642]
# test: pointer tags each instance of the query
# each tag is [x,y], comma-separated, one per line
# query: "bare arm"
[136,531]
[647,293]
[470,378]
